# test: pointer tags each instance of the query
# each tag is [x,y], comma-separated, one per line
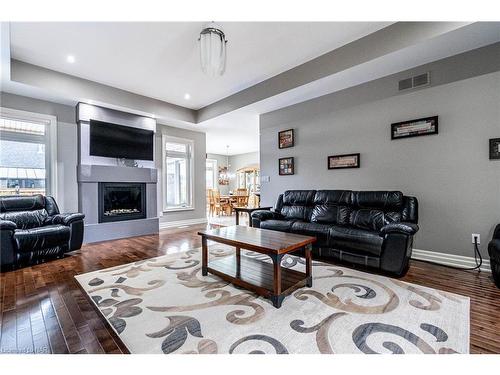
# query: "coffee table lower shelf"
[258,276]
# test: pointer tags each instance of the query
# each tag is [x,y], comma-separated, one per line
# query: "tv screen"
[117,141]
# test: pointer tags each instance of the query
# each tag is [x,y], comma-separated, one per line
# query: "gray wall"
[67,141]
[248,159]
[457,185]
[236,162]
[388,40]
[66,144]
[199,183]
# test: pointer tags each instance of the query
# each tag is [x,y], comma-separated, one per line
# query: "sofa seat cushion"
[279,225]
[354,239]
[41,238]
[320,231]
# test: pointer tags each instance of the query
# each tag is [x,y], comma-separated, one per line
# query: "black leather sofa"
[32,229]
[494,252]
[372,229]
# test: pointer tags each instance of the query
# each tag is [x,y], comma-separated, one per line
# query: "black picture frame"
[286,166]
[282,139]
[495,149]
[356,156]
[432,121]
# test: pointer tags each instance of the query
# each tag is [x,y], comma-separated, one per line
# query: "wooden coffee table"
[269,280]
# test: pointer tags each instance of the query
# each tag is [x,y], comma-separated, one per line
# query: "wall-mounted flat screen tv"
[118,141]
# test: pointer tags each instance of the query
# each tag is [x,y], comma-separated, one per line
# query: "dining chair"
[241,198]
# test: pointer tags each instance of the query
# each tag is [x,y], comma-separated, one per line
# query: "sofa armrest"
[7,244]
[75,222]
[494,250]
[403,228]
[397,247]
[263,215]
[7,225]
[496,233]
[66,219]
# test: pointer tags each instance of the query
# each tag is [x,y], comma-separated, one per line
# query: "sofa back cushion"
[22,203]
[340,197]
[332,207]
[26,219]
[368,210]
[298,204]
[27,212]
[331,213]
[374,209]
[372,219]
[383,200]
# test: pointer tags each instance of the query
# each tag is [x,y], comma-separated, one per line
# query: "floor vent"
[414,82]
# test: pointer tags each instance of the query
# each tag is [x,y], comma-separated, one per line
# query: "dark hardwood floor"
[43,310]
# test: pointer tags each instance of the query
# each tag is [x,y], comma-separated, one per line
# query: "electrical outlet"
[478,236]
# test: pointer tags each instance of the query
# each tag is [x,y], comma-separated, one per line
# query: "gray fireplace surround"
[93,170]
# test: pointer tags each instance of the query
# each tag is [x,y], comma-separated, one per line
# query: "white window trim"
[214,171]
[164,139]
[51,121]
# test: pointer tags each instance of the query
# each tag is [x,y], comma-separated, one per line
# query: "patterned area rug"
[165,305]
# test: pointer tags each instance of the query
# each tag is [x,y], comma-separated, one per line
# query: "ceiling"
[161,59]
[240,128]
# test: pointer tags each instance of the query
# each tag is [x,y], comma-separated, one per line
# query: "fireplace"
[120,201]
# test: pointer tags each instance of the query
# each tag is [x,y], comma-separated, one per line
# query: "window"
[27,160]
[178,173]
[211,173]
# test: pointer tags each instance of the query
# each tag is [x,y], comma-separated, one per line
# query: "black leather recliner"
[32,229]
[494,252]
[373,229]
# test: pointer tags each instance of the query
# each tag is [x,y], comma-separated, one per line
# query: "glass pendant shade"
[213,51]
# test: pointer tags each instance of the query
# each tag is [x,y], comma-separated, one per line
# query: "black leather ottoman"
[494,252]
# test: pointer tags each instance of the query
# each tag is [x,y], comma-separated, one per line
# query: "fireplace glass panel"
[121,201]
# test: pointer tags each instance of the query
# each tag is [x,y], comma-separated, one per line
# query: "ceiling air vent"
[405,84]
[421,80]
[416,81]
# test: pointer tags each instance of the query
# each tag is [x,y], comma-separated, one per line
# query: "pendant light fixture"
[213,50]
[225,176]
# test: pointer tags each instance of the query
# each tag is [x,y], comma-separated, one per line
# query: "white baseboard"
[182,223]
[449,259]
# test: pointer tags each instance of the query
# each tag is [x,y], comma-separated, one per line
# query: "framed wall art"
[495,149]
[344,161]
[415,128]
[286,166]
[286,138]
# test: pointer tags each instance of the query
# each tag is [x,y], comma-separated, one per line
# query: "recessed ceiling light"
[70,59]
[187,96]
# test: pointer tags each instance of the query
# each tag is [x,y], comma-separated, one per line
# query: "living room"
[301,186]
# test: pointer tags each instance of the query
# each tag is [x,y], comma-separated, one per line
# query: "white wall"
[457,186]
[199,182]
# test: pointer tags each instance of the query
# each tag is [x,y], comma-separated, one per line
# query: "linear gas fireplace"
[120,201]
